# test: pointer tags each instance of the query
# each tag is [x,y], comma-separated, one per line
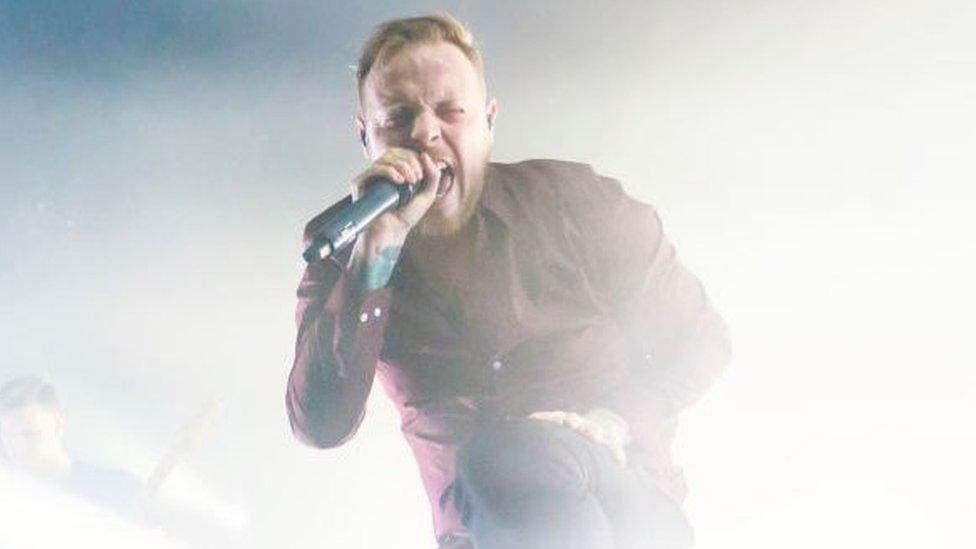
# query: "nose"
[425,129]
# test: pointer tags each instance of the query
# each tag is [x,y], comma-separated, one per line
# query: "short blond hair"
[392,36]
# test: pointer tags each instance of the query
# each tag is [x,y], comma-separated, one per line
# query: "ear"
[361,130]
[491,109]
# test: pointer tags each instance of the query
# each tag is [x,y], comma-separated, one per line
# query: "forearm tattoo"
[375,274]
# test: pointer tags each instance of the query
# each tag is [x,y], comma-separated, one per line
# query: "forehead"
[429,72]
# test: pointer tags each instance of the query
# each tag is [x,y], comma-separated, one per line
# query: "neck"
[439,259]
[443,245]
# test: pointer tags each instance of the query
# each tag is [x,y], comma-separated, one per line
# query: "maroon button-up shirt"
[569,298]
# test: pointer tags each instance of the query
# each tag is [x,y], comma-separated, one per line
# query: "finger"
[427,189]
[575,422]
[405,161]
[569,420]
[401,167]
[412,160]
[554,417]
[377,171]
[590,429]
[425,193]
[432,174]
[594,432]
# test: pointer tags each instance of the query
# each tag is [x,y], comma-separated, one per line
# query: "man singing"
[530,321]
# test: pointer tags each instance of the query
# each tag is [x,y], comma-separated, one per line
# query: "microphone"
[338,232]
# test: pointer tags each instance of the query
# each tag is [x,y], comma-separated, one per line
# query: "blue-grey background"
[813,161]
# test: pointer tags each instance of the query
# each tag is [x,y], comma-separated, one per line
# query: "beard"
[436,225]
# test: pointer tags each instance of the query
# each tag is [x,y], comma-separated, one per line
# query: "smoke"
[811,160]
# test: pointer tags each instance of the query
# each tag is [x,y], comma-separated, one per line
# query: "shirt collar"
[497,196]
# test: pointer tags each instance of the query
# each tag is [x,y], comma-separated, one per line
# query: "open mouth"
[446,180]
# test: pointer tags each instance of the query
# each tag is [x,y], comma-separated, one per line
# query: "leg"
[531,484]
[640,514]
[521,484]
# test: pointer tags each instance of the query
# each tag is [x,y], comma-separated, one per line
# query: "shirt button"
[363,318]
[496,365]
[377,312]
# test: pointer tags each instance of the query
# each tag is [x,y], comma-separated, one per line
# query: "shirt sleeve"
[677,344]
[340,336]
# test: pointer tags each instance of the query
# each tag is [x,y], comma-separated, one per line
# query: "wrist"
[373,260]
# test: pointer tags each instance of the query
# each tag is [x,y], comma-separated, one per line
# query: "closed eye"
[451,113]
[397,119]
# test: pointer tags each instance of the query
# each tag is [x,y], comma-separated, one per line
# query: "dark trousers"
[528,484]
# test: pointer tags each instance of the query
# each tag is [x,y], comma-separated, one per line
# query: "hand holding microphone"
[400,166]
[388,199]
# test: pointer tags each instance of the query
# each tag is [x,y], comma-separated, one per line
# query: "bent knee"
[517,455]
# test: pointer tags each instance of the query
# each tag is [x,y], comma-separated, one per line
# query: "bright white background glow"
[813,161]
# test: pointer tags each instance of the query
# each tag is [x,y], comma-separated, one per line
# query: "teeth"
[445,172]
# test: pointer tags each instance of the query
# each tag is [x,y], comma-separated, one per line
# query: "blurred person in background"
[32,427]
[530,321]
